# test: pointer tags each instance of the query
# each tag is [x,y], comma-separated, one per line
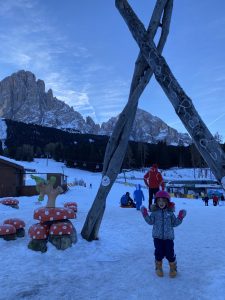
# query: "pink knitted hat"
[162,194]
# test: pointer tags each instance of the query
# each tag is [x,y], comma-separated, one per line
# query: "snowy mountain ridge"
[24,99]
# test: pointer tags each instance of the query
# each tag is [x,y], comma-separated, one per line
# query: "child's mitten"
[182,214]
[144,211]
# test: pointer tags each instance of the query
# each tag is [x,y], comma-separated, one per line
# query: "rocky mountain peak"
[150,129]
[24,99]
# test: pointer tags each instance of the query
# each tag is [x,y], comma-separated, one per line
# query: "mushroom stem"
[52,196]
[47,189]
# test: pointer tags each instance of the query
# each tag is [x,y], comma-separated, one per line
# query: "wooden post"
[118,141]
[206,144]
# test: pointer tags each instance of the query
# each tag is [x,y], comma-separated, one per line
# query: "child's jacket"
[163,221]
[138,195]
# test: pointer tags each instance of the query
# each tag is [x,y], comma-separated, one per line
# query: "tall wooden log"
[117,145]
[208,147]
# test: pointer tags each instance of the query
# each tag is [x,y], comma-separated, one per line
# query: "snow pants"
[152,191]
[138,204]
[164,248]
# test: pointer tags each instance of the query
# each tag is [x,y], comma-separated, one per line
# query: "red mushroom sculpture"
[62,235]
[11,202]
[45,214]
[53,217]
[7,232]
[71,205]
[18,224]
[39,237]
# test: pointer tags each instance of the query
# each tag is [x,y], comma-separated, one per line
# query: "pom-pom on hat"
[162,194]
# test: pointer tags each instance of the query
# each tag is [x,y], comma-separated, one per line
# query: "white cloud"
[9,6]
[34,44]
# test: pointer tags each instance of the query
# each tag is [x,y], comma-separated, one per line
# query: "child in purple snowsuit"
[138,196]
[163,219]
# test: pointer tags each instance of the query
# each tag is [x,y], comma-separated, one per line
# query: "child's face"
[162,202]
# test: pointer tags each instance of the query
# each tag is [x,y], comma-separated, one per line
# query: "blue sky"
[84,51]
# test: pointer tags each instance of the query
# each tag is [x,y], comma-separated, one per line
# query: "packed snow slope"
[120,265]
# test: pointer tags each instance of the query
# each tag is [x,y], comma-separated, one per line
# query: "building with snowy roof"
[11,178]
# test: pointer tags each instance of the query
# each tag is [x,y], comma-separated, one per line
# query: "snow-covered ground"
[121,264]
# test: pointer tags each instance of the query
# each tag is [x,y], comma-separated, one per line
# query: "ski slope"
[121,264]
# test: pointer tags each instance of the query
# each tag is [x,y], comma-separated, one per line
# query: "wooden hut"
[11,178]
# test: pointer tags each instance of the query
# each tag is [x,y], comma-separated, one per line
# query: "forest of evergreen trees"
[86,151]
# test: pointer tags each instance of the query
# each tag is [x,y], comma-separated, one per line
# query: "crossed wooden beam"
[208,147]
[150,61]
[117,145]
